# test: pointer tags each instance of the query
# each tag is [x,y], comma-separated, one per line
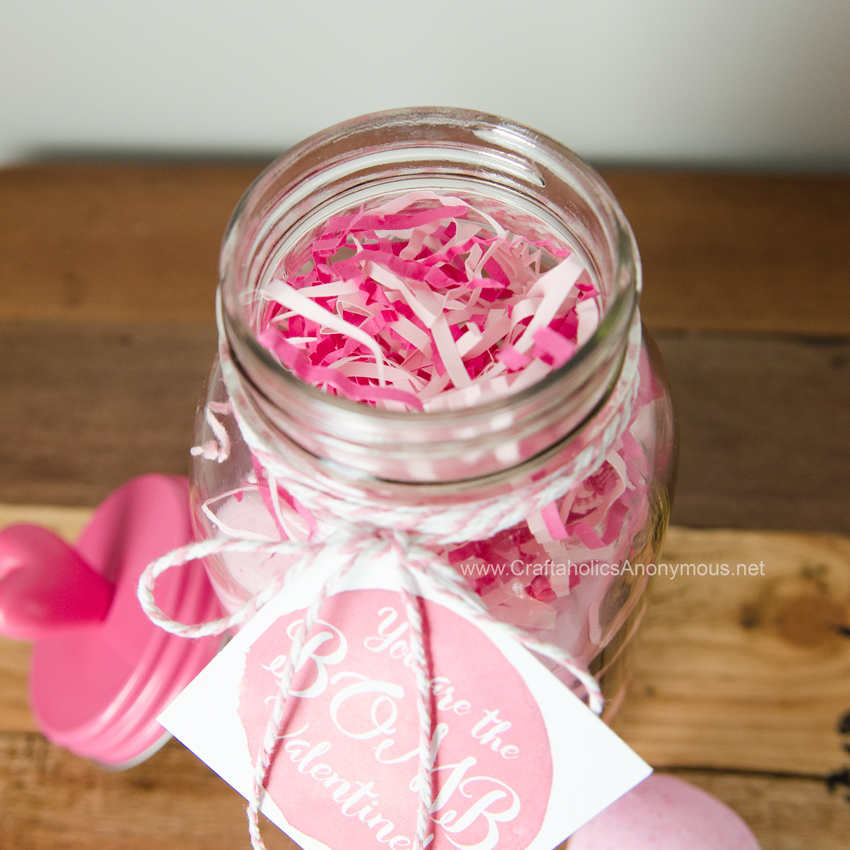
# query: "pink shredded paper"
[426,303]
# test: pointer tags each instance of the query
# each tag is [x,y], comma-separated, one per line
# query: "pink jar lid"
[101,672]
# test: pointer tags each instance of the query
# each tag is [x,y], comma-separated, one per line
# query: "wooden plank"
[110,242]
[64,521]
[735,673]
[14,706]
[746,675]
[764,423]
[745,252]
[90,406]
[744,672]
[125,242]
[51,800]
[764,431]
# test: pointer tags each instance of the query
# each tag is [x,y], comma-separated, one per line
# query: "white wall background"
[744,83]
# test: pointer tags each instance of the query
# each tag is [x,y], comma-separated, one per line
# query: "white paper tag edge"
[230,760]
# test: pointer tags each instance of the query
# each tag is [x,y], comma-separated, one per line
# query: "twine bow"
[414,564]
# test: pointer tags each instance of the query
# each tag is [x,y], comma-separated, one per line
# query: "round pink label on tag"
[345,771]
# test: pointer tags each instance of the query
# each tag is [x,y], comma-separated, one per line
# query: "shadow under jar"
[597,429]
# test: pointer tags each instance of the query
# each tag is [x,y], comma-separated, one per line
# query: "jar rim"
[517,148]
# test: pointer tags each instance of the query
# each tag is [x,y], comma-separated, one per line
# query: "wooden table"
[742,685]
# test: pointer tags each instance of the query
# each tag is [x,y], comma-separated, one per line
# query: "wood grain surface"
[738,252]
[55,801]
[123,242]
[764,426]
[107,242]
[763,421]
[744,672]
[741,684]
[92,405]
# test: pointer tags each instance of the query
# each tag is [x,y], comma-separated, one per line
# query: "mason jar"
[597,430]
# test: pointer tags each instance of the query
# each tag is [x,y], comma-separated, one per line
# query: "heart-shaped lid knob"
[46,588]
[101,672]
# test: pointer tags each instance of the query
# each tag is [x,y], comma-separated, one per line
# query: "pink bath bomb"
[665,813]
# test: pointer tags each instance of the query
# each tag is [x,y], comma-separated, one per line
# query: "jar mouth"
[582,362]
[450,150]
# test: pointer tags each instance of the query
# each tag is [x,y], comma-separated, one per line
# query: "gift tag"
[518,762]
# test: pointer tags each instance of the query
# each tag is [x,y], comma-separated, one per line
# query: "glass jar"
[599,429]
